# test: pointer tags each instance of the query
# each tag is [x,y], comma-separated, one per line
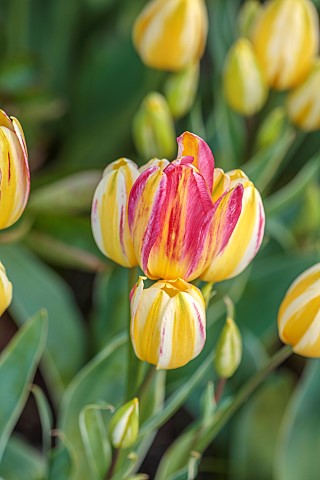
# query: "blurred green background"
[69,72]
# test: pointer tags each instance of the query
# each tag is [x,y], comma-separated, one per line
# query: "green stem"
[133,362]
[242,396]
[115,456]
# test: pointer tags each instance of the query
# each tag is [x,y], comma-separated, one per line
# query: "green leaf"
[284,198]
[101,380]
[21,461]
[37,286]
[95,439]
[71,194]
[255,429]
[45,415]
[262,168]
[62,460]
[299,439]
[18,363]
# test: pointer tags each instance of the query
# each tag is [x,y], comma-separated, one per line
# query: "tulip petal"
[170,215]
[193,146]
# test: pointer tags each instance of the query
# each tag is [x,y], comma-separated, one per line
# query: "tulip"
[181,89]
[299,314]
[124,425]
[244,83]
[228,351]
[170,35]
[5,290]
[247,235]
[248,15]
[15,178]
[303,103]
[175,226]
[168,322]
[153,128]
[109,215]
[286,39]
[272,128]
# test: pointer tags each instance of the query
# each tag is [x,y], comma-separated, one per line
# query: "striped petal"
[246,236]
[14,171]
[5,290]
[167,323]
[193,146]
[109,216]
[299,314]
[170,217]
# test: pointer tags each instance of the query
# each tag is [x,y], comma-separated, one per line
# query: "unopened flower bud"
[5,290]
[247,17]
[229,347]
[124,425]
[181,89]
[299,314]
[286,41]
[244,83]
[303,104]
[170,35]
[153,128]
[271,128]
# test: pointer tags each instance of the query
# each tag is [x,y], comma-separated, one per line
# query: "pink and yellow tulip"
[299,314]
[168,322]
[109,216]
[14,178]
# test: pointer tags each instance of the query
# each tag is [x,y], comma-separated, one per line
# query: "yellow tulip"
[244,83]
[109,216]
[5,290]
[15,177]
[303,103]
[247,235]
[170,35]
[168,322]
[299,314]
[286,39]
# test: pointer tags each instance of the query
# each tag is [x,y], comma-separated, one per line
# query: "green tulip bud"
[181,89]
[229,346]
[153,128]
[271,129]
[247,17]
[124,425]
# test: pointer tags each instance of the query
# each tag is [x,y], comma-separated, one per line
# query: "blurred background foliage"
[69,72]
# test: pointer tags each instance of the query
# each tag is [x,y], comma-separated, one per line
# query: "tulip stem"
[133,362]
[114,460]
[220,388]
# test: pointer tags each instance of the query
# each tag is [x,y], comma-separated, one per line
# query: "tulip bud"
[244,83]
[170,35]
[109,215]
[303,103]
[286,39]
[271,129]
[124,425]
[236,255]
[299,314]
[153,128]
[248,15]
[15,178]
[5,290]
[229,347]
[168,322]
[181,89]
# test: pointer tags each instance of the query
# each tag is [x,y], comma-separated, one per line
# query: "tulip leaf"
[45,415]
[21,461]
[101,380]
[37,286]
[18,363]
[264,165]
[257,426]
[95,439]
[62,459]
[299,438]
